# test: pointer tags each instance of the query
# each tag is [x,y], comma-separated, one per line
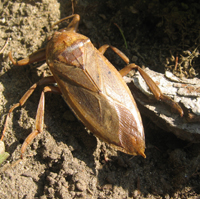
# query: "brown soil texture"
[65,161]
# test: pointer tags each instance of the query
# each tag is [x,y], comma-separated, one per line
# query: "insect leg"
[153,87]
[37,56]
[73,25]
[45,80]
[39,120]
[103,49]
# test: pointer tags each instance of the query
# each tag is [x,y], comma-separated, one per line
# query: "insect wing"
[99,97]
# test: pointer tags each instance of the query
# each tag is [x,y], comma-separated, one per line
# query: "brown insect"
[93,89]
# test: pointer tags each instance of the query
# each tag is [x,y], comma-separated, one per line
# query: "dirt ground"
[65,161]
